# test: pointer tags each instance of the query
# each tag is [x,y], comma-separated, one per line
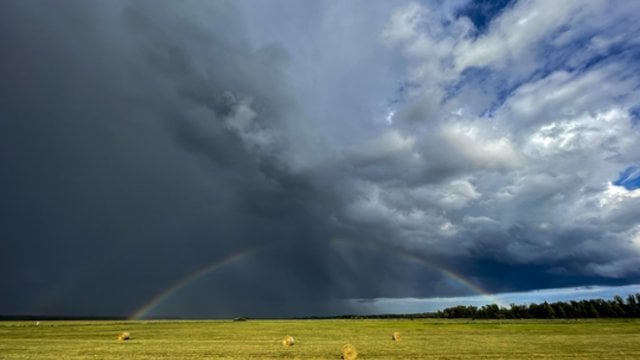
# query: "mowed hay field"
[322,339]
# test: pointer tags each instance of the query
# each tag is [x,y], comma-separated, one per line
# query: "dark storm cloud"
[141,142]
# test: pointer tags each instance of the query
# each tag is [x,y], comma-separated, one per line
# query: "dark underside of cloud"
[141,143]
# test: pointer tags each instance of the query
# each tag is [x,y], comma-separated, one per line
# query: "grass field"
[322,339]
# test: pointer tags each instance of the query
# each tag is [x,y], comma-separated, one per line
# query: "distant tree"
[604,308]
[618,300]
[534,311]
[632,305]
[618,310]
[459,311]
[548,311]
[617,307]
[590,310]
[519,311]
[492,311]
[558,309]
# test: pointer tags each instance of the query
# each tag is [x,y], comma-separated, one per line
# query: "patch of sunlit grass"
[322,339]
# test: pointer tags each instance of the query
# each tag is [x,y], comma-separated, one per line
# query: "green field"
[322,339]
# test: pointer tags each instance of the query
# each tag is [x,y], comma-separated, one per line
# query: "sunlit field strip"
[322,339]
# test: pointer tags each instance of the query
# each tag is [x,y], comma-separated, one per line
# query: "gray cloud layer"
[142,141]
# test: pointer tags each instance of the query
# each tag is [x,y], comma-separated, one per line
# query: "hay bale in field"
[349,352]
[395,336]
[288,341]
[124,336]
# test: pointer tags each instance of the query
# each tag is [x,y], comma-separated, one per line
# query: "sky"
[284,158]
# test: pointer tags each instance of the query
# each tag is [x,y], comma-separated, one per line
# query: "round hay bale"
[349,352]
[395,336]
[288,341]
[124,336]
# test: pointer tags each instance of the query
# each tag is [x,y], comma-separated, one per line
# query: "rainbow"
[450,274]
[147,308]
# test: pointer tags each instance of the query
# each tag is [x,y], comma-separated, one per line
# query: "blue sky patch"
[482,12]
[629,178]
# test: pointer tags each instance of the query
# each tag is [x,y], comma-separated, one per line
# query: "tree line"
[594,308]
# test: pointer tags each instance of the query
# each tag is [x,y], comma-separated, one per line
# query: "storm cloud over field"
[277,158]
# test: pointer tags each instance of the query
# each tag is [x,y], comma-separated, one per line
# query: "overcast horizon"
[290,158]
